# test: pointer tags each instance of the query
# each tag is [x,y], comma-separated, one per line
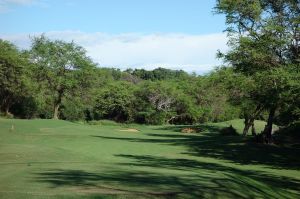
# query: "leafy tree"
[185,109]
[264,41]
[155,102]
[12,75]
[61,68]
[241,91]
[212,96]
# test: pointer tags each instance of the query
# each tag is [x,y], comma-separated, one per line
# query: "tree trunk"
[7,111]
[55,114]
[249,122]
[246,127]
[268,128]
[253,130]
[57,104]
[6,105]
[172,118]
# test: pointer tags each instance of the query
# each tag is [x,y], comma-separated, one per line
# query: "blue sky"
[178,34]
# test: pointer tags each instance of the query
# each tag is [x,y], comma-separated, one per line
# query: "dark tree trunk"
[7,110]
[253,130]
[268,128]
[246,127]
[249,122]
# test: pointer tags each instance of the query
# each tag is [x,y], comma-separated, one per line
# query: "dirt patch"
[189,130]
[130,130]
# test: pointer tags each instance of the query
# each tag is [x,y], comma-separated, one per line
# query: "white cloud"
[170,50]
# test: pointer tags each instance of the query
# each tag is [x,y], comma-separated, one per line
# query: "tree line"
[55,79]
[260,78]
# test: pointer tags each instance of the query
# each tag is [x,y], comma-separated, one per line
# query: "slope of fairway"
[59,159]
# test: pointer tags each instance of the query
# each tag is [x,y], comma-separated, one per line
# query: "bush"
[156,118]
[72,110]
[25,108]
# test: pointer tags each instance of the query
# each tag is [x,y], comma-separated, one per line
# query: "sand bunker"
[129,130]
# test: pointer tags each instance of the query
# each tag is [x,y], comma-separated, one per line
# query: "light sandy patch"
[129,130]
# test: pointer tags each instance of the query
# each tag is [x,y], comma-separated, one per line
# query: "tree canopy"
[61,68]
[12,75]
[264,46]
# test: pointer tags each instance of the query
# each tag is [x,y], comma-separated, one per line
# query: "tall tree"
[12,75]
[264,40]
[61,67]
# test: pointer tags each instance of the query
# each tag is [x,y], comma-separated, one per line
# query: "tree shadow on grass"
[200,128]
[205,180]
[247,152]
[106,183]
[239,150]
[162,177]
[235,149]
[237,182]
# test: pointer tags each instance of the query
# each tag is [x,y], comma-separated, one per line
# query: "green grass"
[59,159]
[239,125]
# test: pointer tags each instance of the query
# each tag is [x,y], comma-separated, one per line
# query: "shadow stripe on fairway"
[101,190]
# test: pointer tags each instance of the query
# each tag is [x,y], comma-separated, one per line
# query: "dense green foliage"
[56,79]
[264,47]
[60,159]
[13,75]
[60,68]
[64,83]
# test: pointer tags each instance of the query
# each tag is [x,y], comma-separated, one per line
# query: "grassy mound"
[238,124]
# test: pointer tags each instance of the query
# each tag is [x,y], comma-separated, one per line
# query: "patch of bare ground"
[129,130]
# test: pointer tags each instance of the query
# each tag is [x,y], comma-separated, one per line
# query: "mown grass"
[59,159]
